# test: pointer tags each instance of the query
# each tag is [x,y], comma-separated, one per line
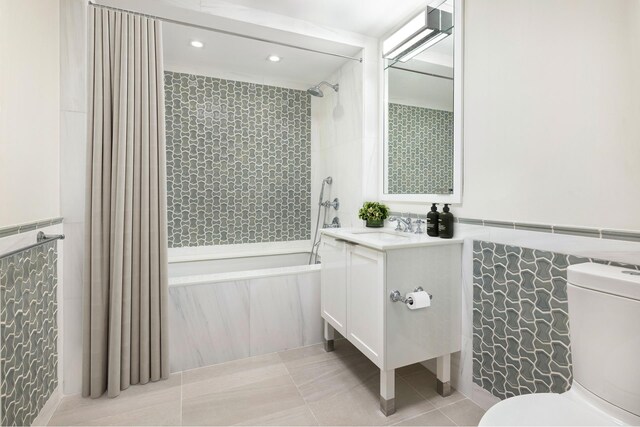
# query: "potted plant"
[374,213]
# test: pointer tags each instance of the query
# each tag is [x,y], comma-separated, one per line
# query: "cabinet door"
[333,287]
[365,319]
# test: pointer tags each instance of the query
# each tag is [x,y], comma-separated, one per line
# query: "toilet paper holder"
[397,296]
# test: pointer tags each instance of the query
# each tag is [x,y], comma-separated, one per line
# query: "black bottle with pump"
[445,227]
[432,221]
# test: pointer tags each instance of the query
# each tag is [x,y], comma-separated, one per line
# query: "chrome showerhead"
[316,91]
[328,180]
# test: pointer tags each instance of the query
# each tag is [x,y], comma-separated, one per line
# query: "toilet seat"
[545,409]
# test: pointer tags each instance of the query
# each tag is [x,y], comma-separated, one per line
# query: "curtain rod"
[228,33]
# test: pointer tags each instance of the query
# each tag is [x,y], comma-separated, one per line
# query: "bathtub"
[236,302]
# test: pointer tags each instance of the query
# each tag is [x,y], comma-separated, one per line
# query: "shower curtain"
[125,270]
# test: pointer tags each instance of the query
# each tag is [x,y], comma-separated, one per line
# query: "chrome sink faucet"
[408,224]
[402,224]
[397,221]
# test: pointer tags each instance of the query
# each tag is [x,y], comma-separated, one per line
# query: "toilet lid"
[544,409]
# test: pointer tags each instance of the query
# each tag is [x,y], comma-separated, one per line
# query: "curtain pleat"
[125,279]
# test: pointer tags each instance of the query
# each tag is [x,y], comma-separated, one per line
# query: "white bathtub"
[225,306]
[235,264]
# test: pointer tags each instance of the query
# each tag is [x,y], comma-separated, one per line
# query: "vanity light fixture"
[197,43]
[417,35]
[422,48]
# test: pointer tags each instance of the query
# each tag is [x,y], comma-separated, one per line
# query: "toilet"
[604,322]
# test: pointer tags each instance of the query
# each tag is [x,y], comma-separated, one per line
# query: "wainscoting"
[521,326]
[28,332]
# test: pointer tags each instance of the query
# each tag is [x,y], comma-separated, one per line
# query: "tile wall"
[521,340]
[28,332]
[238,162]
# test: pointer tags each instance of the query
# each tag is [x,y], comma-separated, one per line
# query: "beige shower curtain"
[125,270]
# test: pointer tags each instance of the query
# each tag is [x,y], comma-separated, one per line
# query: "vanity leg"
[329,336]
[388,392]
[443,385]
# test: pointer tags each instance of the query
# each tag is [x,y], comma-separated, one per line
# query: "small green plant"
[373,211]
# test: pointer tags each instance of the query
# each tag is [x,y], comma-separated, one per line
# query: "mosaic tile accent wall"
[420,150]
[238,162]
[520,319]
[29,333]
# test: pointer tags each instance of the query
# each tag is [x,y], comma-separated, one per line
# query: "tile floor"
[304,386]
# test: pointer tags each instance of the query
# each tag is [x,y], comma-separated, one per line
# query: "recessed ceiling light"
[197,43]
[274,58]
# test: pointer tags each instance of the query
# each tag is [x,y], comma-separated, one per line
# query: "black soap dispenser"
[445,228]
[432,221]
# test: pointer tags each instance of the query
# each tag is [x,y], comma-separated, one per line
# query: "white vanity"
[361,268]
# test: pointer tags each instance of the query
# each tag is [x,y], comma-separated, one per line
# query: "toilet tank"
[604,325]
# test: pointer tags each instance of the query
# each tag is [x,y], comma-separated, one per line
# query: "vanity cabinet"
[356,283]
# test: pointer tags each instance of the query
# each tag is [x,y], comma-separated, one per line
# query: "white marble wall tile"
[285,312]
[312,323]
[72,307]
[73,55]
[73,172]
[72,346]
[208,324]
[73,260]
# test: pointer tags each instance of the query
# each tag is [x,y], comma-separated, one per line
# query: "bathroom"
[181,233]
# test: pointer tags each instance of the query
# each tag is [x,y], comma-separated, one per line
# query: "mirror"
[422,114]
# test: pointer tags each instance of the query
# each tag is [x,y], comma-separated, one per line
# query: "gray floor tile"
[464,413]
[425,383]
[360,405]
[433,418]
[238,373]
[153,403]
[248,403]
[319,377]
[303,355]
[299,416]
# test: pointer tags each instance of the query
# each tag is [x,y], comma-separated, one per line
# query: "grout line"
[416,416]
[415,389]
[447,417]
[298,390]
[457,401]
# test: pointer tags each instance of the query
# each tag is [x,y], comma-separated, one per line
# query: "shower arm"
[326,83]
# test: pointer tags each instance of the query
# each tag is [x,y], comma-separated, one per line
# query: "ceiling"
[369,17]
[238,58]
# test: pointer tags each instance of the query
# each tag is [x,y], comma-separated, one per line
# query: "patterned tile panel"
[420,150]
[520,319]
[29,331]
[238,162]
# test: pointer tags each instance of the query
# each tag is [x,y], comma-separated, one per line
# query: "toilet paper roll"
[418,300]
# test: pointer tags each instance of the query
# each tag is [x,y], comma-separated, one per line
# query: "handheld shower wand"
[316,242]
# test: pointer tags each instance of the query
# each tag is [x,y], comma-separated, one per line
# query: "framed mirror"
[422,76]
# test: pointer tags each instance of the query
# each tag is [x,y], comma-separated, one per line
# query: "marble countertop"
[384,239]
